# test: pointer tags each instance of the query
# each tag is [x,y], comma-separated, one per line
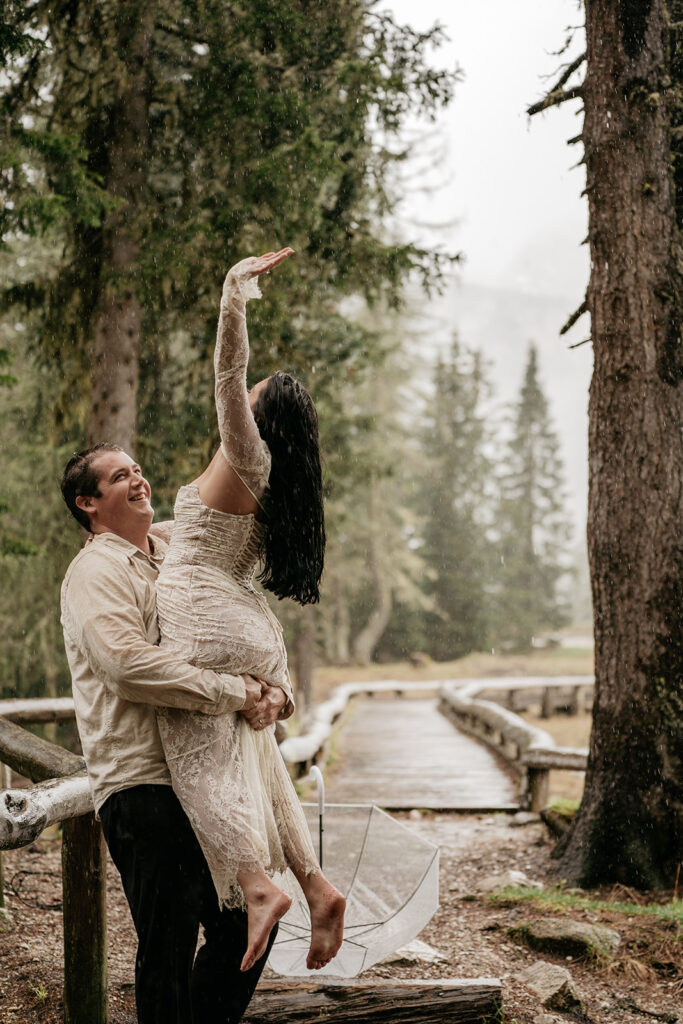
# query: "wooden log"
[451,1000]
[30,710]
[33,757]
[85,921]
[24,813]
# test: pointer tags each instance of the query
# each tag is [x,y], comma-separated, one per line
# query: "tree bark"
[118,315]
[629,828]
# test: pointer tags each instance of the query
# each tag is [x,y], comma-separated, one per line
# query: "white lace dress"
[230,779]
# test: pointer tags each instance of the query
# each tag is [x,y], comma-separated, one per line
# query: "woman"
[255,499]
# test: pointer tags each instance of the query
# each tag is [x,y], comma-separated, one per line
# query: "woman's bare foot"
[266,904]
[327,907]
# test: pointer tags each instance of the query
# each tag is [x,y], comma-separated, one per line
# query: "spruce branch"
[586,341]
[576,315]
[558,94]
[554,99]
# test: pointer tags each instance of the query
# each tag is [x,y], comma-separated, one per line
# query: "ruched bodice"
[206,536]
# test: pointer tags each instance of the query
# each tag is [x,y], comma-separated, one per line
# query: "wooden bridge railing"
[532,752]
[60,794]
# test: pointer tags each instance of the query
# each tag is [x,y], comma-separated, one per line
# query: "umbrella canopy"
[389,876]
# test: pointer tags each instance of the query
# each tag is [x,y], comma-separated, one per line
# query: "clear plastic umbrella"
[389,876]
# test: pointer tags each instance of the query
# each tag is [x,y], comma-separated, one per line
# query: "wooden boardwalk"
[404,753]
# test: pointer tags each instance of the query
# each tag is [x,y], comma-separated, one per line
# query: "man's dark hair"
[80,480]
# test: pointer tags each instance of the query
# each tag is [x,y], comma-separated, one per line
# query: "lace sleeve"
[241,442]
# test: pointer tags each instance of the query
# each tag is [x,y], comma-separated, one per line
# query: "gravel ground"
[470,934]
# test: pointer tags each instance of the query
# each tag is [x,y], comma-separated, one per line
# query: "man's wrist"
[234,694]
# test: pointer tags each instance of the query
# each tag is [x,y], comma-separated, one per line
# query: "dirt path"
[469,933]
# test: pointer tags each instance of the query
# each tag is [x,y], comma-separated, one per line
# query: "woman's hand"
[254,266]
[268,708]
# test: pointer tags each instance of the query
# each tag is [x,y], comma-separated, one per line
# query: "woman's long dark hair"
[293,541]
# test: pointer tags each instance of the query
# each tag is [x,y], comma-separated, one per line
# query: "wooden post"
[85,921]
[538,788]
[547,704]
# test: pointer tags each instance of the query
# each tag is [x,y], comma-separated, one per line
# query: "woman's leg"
[326,906]
[266,904]
[325,903]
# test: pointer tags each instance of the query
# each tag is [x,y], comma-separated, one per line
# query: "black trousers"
[170,893]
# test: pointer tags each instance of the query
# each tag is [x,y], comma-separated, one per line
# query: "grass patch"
[562,805]
[573,899]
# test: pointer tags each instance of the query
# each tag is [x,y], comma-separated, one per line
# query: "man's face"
[124,503]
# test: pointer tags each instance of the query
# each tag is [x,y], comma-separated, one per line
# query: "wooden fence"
[481,707]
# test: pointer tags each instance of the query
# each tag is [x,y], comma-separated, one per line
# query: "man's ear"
[85,503]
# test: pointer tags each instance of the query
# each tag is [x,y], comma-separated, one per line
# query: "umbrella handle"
[315,775]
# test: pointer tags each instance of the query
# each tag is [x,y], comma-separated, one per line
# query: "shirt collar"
[156,544]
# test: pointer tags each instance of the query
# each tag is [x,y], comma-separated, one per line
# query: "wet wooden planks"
[402,754]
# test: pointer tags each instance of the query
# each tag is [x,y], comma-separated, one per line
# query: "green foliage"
[532,522]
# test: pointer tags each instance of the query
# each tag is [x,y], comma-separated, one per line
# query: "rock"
[415,952]
[492,883]
[6,920]
[524,818]
[548,1018]
[553,985]
[566,937]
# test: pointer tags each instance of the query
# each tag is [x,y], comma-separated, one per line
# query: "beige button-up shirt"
[119,674]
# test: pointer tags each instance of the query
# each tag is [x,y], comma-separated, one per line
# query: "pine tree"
[454,506]
[532,522]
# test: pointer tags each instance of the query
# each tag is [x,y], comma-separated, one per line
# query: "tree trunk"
[305,659]
[365,643]
[629,828]
[342,631]
[117,318]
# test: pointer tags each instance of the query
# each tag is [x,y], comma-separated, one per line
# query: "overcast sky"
[509,186]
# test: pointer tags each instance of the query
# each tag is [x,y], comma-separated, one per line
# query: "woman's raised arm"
[240,439]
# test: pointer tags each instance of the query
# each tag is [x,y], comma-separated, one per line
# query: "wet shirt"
[119,673]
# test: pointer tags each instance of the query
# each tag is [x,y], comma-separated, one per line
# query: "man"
[120,675]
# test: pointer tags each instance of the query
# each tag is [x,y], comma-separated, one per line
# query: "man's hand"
[254,689]
[267,709]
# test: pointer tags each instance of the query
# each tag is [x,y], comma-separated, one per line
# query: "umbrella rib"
[360,855]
